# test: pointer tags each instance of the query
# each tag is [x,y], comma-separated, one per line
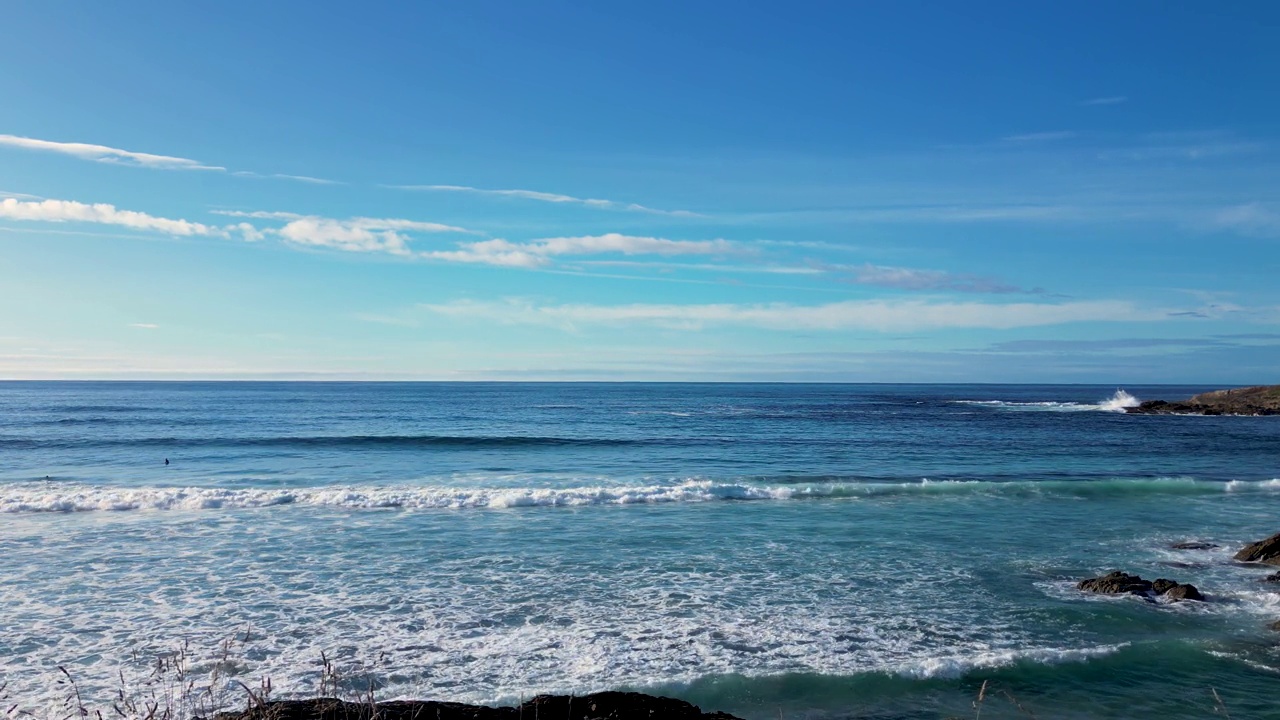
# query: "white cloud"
[1109,100]
[307,179]
[358,234]
[101,213]
[1040,136]
[548,197]
[1252,219]
[260,214]
[874,315]
[538,252]
[144,326]
[102,153]
[915,279]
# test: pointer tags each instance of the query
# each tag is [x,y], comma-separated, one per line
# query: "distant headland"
[1258,400]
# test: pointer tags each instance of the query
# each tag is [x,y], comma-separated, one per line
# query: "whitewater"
[809,549]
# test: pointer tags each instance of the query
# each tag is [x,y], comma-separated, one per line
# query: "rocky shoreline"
[597,706]
[1250,401]
[1263,552]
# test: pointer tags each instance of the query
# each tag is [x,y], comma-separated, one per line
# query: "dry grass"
[170,691]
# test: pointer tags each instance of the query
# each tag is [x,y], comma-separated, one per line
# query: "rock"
[1259,400]
[1264,551]
[1183,592]
[598,706]
[1115,583]
[1193,546]
[1274,626]
[1272,578]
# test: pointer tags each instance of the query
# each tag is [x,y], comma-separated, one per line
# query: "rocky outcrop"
[1259,400]
[1116,583]
[599,706]
[1264,551]
[1119,583]
[1272,578]
[1184,591]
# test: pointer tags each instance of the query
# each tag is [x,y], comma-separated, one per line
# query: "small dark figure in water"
[166,461]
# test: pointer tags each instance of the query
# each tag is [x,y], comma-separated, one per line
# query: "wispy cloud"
[101,213]
[260,214]
[307,179]
[1108,100]
[1252,219]
[1040,136]
[539,252]
[103,153]
[872,315]
[359,234]
[547,197]
[144,326]
[928,280]
[107,154]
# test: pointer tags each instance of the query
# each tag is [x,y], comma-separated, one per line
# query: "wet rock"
[1261,400]
[1115,583]
[1264,551]
[1274,626]
[1272,578]
[1193,546]
[598,706]
[1183,592]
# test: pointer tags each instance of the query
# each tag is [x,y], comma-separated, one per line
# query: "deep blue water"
[819,550]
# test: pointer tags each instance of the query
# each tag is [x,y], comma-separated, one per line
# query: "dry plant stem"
[1018,705]
[977,704]
[1221,706]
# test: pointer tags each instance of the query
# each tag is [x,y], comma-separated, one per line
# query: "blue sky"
[882,192]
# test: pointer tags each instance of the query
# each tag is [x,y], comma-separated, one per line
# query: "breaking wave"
[40,497]
[1116,403]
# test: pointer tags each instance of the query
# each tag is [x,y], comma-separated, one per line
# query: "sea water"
[830,551]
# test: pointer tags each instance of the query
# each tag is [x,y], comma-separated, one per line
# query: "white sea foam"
[75,497]
[1116,403]
[953,666]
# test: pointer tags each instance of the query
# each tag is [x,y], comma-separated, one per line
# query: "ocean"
[793,550]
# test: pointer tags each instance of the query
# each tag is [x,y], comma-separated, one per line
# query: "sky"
[992,191]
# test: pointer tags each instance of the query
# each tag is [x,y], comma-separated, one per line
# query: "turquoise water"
[824,551]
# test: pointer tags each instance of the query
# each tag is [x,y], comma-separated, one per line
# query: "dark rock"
[1115,583]
[1264,551]
[1272,578]
[1193,546]
[599,706]
[1184,565]
[1183,592]
[1161,586]
[1260,400]
[1274,626]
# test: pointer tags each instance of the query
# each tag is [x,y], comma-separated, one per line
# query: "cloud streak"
[901,278]
[1108,100]
[539,252]
[103,153]
[548,198]
[103,214]
[870,315]
[118,156]
[358,234]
